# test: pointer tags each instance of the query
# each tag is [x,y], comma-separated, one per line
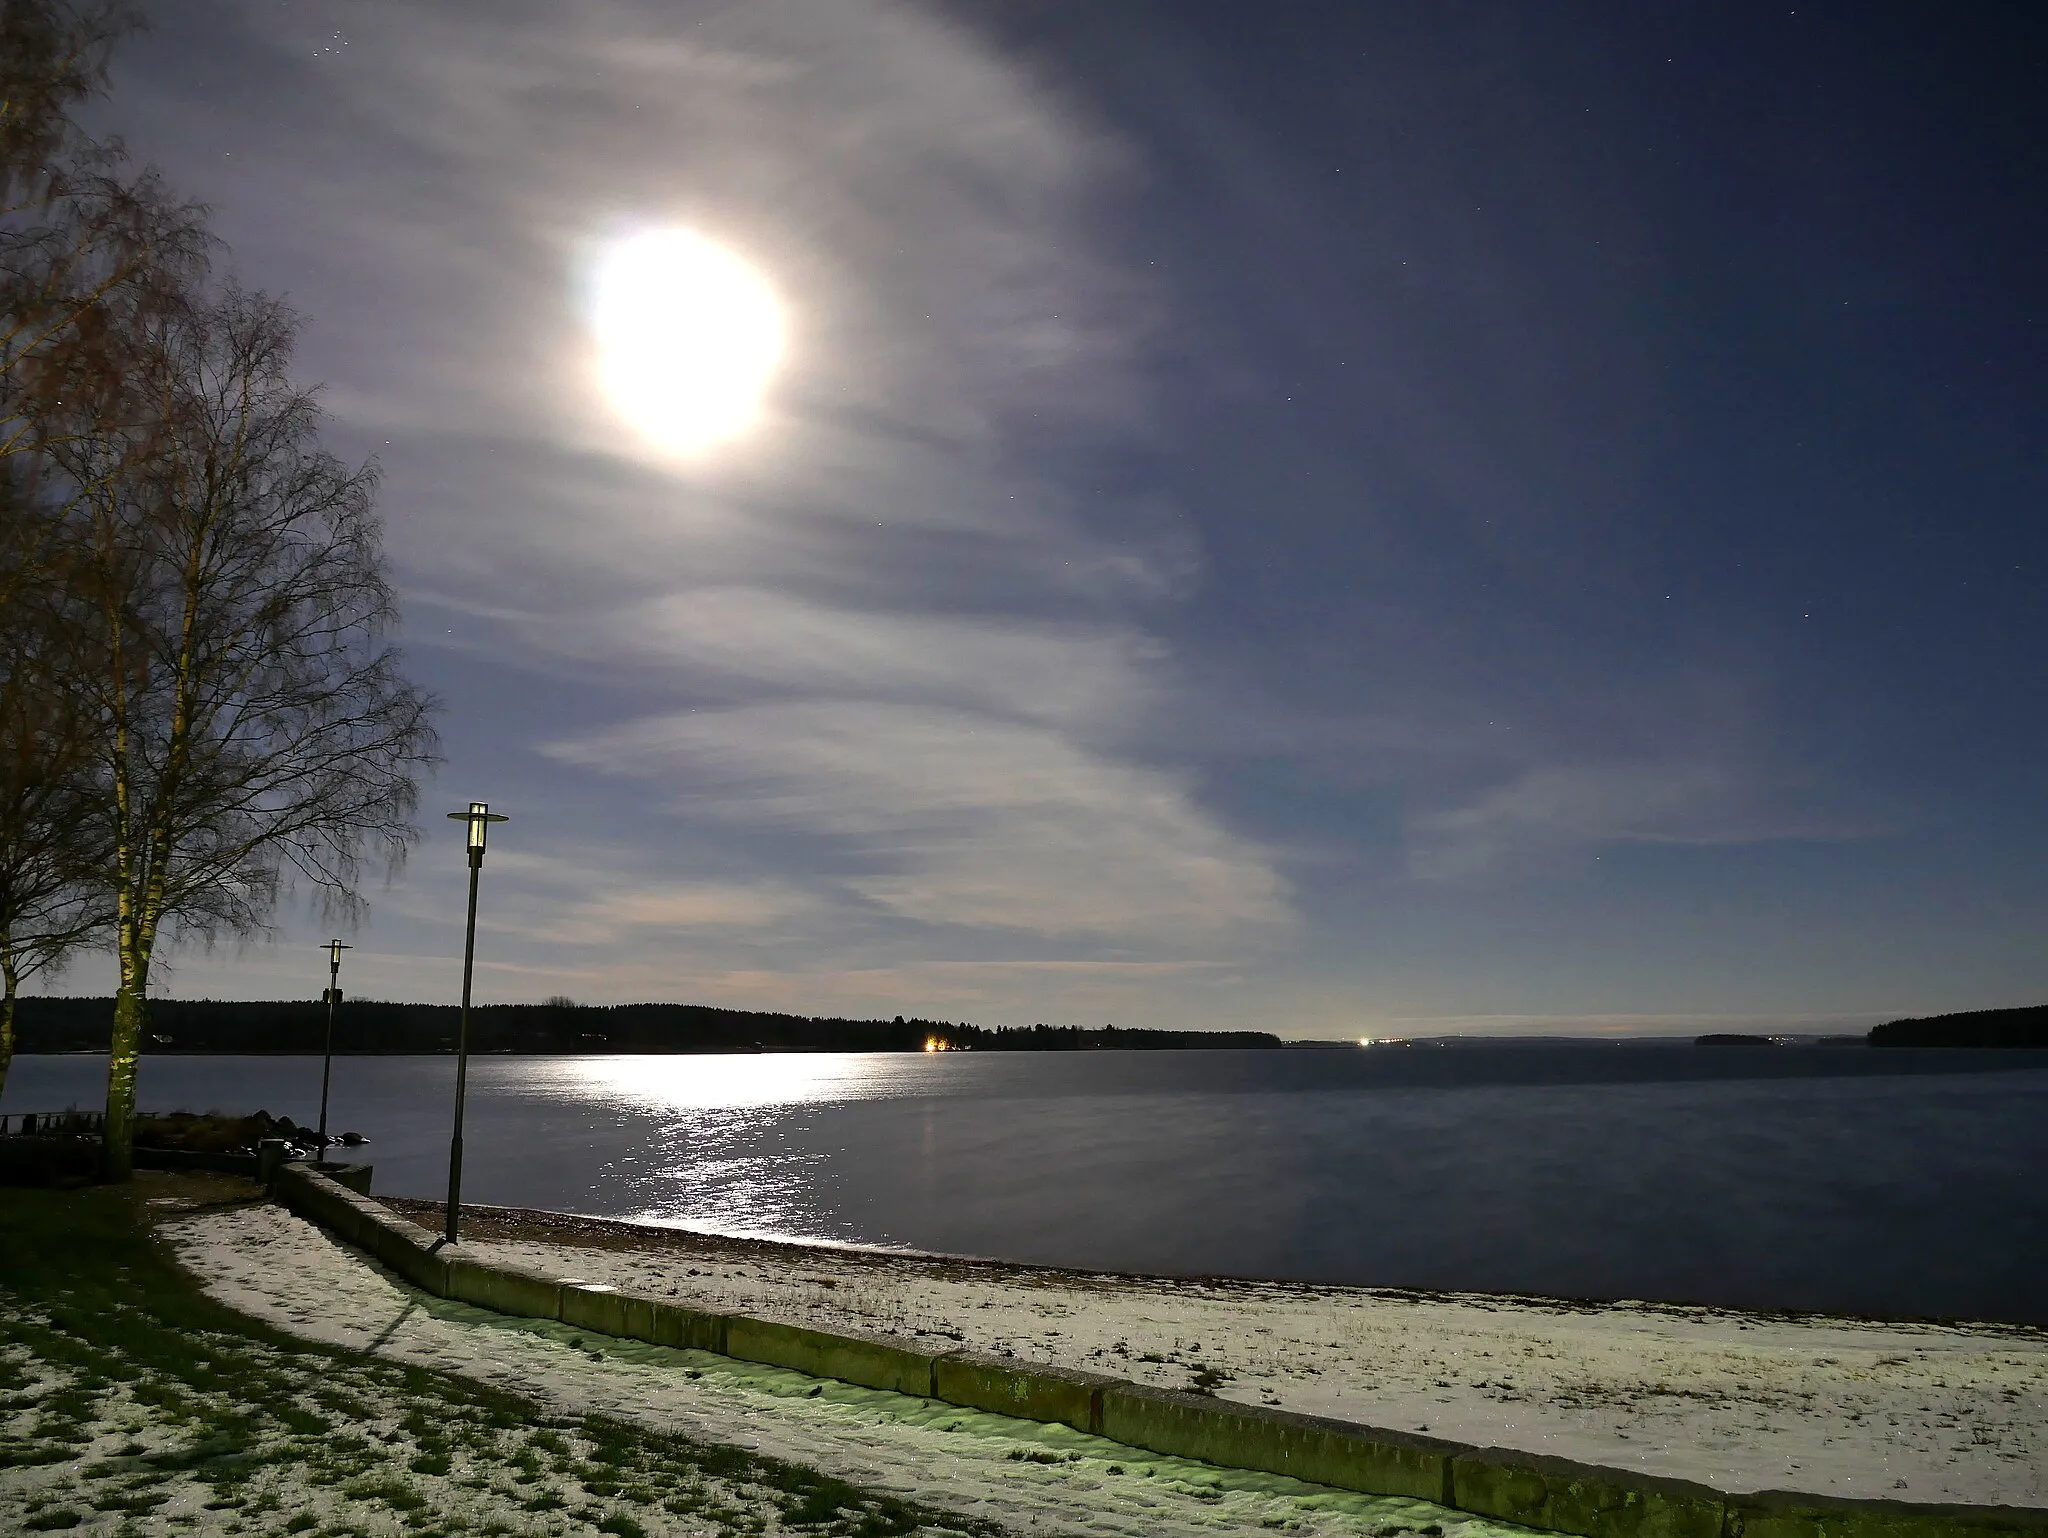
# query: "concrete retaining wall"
[1324,1452]
[507,1291]
[1525,1488]
[864,1359]
[594,1307]
[1572,1498]
[355,1177]
[1037,1392]
[691,1329]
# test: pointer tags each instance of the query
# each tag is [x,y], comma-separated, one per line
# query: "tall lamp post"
[479,817]
[334,948]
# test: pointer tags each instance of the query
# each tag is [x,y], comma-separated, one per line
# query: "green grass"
[124,1390]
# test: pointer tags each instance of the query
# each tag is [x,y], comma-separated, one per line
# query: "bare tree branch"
[84,246]
[51,862]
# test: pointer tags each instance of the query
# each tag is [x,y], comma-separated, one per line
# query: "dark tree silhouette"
[53,56]
[51,897]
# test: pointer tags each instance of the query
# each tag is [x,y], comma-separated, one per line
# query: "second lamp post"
[479,817]
[334,948]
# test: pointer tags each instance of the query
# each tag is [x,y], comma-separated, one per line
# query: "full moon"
[689,336]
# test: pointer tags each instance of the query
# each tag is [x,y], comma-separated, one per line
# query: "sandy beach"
[1743,1401]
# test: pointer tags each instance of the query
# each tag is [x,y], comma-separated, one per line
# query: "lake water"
[1842,1179]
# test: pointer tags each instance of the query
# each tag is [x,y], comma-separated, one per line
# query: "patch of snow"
[1921,1412]
[275,1267]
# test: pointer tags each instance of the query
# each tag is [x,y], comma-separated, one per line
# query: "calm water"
[1840,1179]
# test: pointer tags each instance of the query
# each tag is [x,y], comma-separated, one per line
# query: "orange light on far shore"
[937,1044]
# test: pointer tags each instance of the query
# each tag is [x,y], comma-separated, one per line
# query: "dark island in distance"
[1979,1028]
[370,1026]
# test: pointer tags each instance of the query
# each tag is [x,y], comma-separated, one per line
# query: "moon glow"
[689,337]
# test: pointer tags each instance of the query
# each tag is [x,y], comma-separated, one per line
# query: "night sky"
[1336,518]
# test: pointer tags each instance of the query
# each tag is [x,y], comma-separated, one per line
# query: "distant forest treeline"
[2026,1027]
[370,1026]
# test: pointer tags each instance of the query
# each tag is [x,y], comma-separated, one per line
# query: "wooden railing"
[52,1123]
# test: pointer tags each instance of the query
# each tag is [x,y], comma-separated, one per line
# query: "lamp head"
[479,817]
[334,950]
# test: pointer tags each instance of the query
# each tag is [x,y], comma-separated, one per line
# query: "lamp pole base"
[454,1186]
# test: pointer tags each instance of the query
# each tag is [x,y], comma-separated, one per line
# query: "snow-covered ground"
[1740,1401]
[1029,1478]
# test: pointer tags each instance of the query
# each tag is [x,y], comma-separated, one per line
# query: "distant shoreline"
[370,1027]
[1678,1046]
[376,1028]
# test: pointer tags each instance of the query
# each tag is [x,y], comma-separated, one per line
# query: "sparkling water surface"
[1840,1179]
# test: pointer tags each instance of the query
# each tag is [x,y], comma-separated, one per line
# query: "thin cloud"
[1567,810]
[962,819]
[606,898]
[736,637]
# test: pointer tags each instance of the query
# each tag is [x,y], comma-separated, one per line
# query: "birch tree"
[251,726]
[88,248]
